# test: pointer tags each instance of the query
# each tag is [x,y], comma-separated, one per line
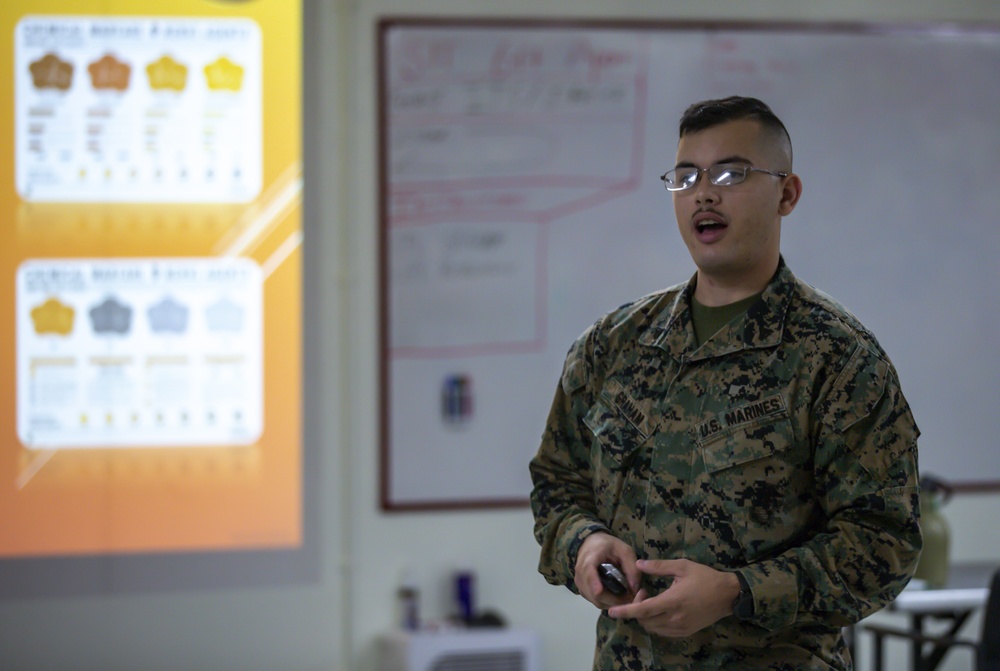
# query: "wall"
[333,622]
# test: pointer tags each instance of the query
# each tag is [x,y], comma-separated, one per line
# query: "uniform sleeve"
[562,499]
[865,447]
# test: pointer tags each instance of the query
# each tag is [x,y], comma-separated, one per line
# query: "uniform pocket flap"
[748,432]
[617,421]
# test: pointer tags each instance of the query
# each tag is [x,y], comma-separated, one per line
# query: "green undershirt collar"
[709,320]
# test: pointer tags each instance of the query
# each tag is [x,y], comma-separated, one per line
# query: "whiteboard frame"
[388,500]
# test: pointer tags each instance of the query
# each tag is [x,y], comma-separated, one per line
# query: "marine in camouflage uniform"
[781,448]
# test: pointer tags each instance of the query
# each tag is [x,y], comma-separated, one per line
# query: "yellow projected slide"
[151,226]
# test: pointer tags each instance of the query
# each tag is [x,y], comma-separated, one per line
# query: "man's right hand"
[596,549]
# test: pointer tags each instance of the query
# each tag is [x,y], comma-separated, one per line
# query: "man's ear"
[791,191]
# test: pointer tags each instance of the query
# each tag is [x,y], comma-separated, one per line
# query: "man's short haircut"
[709,113]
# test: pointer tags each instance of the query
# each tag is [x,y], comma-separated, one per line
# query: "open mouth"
[709,225]
[707,221]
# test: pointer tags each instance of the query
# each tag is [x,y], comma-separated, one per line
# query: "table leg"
[878,653]
[938,652]
[935,655]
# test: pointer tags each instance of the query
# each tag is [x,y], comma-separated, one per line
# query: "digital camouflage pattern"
[782,447]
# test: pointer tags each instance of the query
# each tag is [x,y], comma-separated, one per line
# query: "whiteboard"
[521,200]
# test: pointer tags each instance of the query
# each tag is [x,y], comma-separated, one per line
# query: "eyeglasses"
[721,174]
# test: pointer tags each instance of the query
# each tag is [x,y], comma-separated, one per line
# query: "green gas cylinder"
[934,559]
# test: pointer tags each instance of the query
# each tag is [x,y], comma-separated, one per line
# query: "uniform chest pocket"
[741,450]
[762,478]
[621,431]
[616,440]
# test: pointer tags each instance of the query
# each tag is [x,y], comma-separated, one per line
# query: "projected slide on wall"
[138,109]
[138,352]
[150,203]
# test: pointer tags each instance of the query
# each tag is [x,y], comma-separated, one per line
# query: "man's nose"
[705,191]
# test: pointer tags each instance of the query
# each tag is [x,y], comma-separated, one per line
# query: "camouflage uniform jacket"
[782,448]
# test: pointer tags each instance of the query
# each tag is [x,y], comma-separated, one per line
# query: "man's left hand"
[698,597]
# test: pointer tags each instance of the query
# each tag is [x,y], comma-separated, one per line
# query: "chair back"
[989,647]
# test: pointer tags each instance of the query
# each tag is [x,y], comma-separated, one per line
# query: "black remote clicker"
[612,579]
